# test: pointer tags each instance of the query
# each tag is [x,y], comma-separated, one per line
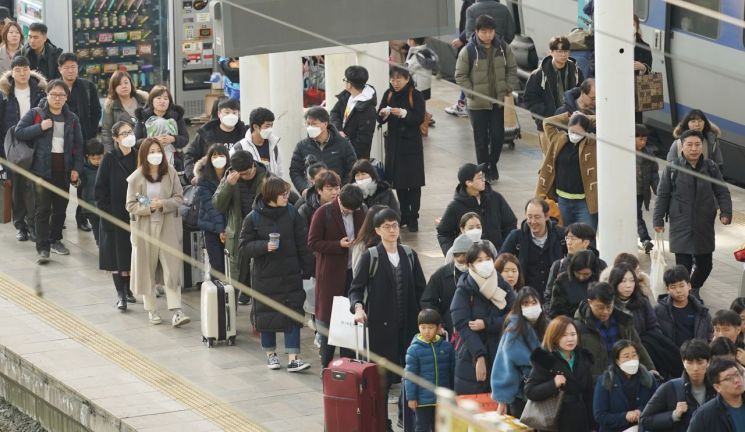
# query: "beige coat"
[145,255]
[557,139]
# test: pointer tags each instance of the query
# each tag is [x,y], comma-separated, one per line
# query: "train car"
[701,58]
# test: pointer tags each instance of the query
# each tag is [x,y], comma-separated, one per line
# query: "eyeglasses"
[732,378]
[57,95]
[126,133]
[389,227]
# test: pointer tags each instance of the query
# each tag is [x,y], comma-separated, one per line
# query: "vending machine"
[129,35]
[192,54]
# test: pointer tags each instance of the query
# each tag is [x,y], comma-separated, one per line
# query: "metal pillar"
[614,56]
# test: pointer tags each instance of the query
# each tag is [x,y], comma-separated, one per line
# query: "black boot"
[121,294]
[127,291]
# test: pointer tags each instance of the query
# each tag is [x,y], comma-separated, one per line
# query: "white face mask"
[219,162]
[531,313]
[630,367]
[364,181]
[154,158]
[129,141]
[484,268]
[474,234]
[265,133]
[229,120]
[461,267]
[313,131]
[575,137]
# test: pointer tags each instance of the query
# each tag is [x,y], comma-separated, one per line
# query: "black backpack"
[189,210]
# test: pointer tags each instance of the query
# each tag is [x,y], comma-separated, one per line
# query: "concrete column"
[285,84]
[254,75]
[336,64]
[614,57]
[373,60]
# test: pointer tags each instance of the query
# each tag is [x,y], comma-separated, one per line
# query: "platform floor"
[237,376]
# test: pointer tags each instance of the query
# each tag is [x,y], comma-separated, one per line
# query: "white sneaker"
[457,110]
[272,361]
[180,319]
[155,318]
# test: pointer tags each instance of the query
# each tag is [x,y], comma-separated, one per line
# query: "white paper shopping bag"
[342,326]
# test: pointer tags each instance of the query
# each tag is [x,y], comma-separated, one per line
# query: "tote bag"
[659,265]
[543,415]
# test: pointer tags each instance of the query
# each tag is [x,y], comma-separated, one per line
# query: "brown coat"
[145,255]
[331,258]
[588,162]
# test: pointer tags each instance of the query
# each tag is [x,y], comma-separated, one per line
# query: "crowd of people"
[524,313]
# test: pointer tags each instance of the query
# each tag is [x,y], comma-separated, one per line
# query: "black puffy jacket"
[337,154]
[279,274]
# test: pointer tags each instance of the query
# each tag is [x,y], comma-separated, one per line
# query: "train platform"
[71,347]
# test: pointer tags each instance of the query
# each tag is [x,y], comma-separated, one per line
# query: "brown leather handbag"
[543,415]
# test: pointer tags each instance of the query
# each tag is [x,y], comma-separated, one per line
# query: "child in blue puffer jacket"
[431,357]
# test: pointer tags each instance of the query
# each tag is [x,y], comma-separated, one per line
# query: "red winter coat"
[331,259]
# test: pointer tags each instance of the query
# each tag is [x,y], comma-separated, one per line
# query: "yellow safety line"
[212,408]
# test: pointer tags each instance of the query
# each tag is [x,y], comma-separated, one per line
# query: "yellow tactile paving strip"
[179,389]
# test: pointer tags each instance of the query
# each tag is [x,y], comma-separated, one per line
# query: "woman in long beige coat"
[154,194]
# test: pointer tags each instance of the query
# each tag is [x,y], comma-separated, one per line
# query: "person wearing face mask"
[163,120]
[323,144]
[209,171]
[474,194]
[470,226]
[570,287]
[569,170]
[622,392]
[261,142]
[234,197]
[559,364]
[438,294]
[115,247]
[524,329]
[354,112]
[226,129]
[375,190]
[697,120]
[673,404]
[480,305]
[385,293]
[154,195]
[601,325]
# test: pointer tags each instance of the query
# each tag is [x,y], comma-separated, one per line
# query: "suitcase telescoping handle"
[227,266]
[365,340]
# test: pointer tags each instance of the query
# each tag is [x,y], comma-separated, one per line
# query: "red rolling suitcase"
[352,396]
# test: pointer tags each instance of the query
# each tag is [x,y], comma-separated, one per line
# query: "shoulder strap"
[471,50]
[373,261]
[409,255]
[679,389]
[390,96]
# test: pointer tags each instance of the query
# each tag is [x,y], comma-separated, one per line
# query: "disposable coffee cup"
[274,239]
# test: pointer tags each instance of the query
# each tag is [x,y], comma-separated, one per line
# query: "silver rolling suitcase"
[218,309]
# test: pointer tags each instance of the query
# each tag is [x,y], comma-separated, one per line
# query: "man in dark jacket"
[41,53]
[544,91]
[499,12]
[578,237]
[580,99]
[226,129]
[537,244]
[691,205]
[440,289]
[324,143]
[54,132]
[726,412]
[84,103]
[333,228]
[671,407]
[680,315]
[473,194]
[354,114]
[600,325]
[21,90]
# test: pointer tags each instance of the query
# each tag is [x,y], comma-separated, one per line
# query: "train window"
[694,22]
[641,9]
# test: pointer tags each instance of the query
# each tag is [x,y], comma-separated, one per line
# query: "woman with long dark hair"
[209,171]
[115,247]
[402,109]
[523,331]
[122,102]
[367,236]
[163,120]
[697,120]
